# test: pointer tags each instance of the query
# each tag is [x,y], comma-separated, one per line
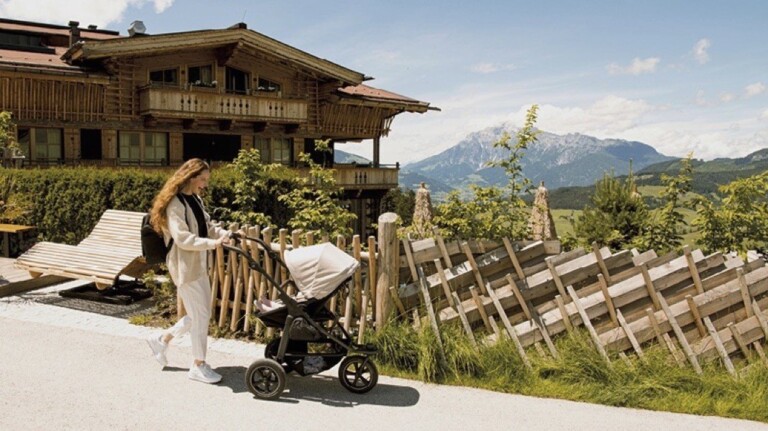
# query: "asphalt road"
[54,377]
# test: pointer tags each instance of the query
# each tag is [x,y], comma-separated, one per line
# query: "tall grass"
[580,373]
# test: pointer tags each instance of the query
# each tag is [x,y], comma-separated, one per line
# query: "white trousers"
[196,297]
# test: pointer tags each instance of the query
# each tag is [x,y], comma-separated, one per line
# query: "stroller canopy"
[318,269]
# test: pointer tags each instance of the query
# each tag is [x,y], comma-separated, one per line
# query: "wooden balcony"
[211,103]
[355,177]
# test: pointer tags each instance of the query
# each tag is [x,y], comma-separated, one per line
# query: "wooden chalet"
[86,96]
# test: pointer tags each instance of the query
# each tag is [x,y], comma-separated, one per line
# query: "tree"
[488,214]
[400,202]
[616,216]
[8,145]
[663,229]
[492,212]
[315,201]
[255,184]
[739,222]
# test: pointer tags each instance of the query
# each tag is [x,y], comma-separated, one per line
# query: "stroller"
[306,346]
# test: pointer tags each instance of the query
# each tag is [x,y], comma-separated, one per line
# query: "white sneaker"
[203,373]
[158,348]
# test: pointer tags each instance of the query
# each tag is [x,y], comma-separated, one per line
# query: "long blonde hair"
[190,169]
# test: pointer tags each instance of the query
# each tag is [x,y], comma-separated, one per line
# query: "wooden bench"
[113,248]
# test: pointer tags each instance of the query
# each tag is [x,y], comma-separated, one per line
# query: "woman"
[178,213]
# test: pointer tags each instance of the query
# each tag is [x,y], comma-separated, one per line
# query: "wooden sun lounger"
[113,248]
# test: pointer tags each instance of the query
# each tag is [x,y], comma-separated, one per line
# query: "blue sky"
[682,76]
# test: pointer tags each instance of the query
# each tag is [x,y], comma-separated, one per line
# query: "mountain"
[344,157]
[559,161]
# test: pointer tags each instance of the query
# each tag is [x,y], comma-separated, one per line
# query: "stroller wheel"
[358,374]
[265,378]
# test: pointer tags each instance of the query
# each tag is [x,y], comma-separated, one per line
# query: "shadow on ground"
[324,389]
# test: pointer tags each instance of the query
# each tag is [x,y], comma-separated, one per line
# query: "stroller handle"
[253,264]
[261,243]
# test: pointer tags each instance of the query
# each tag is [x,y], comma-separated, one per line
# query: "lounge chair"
[113,248]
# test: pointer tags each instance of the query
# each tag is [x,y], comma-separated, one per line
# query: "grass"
[579,375]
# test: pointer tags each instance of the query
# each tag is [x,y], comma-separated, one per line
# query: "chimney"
[92,27]
[74,32]
[137,28]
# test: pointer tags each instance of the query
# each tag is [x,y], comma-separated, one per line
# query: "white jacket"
[188,258]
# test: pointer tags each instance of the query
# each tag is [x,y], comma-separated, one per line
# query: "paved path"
[62,368]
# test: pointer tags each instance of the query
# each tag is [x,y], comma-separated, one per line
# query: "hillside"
[707,177]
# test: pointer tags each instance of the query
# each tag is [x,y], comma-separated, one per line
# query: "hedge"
[64,203]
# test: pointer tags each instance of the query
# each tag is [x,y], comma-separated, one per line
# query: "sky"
[681,76]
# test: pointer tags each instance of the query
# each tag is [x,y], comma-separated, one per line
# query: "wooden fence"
[699,307]
[235,286]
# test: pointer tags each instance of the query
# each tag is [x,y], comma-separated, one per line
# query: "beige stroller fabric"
[318,269]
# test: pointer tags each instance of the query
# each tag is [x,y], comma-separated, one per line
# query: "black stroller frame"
[301,323]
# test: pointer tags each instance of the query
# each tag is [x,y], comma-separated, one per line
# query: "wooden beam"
[225,53]
[601,262]
[588,324]
[463,317]
[696,315]
[607,295]
[189,123]
[719,346]
[510,329]
[225,125]
[694,271]
[149,121]
[679,334]
[630,334]
[744,289]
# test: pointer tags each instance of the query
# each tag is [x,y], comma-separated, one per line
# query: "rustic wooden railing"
[179,103]
[235,286]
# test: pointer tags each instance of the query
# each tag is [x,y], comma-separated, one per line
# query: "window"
[130,147]
[267,85]
[165,77]
[48,144]
[275,150]
[156,147]
[281,151]
[262,145]
[201,76]
[154,144]
[23,140]
[237,81]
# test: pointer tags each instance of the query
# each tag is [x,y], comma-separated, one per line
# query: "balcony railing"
[204,103]
[356,177]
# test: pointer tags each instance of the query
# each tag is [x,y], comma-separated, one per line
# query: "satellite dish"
[137,27]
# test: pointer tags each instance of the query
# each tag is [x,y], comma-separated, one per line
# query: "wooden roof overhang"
[28,64]
[227,42]
[363,95]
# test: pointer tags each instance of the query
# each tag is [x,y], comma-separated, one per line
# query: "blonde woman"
[178,213]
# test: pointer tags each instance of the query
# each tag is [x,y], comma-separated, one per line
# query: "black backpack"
[153,246]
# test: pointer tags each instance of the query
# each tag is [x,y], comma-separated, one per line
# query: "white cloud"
[764,115]
[606,117]
[97,12]
[637,67]
[754,89]
[700,51]
[490,67]
[727,97]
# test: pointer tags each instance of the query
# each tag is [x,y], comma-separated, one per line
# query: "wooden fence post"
[388,266]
